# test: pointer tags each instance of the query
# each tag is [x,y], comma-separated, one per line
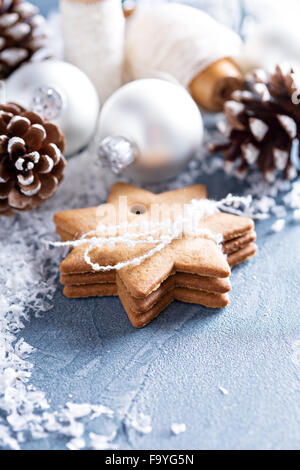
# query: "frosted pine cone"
[21,35]
[263,126]
[31,161]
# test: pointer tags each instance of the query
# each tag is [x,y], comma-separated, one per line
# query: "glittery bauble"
[59,92]
[149,130]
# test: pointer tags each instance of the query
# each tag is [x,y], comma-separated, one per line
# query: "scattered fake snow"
[76,444]
[140,423]
[178,428]
[278,226]
[99,442]
[28,281]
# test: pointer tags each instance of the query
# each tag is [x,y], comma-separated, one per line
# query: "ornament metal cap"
[48,102]
[117,153]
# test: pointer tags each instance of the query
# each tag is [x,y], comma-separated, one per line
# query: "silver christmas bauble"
[149,130]
[61,93]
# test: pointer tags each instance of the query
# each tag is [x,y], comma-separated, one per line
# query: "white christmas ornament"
[149,130]
[61,93]
[94,33]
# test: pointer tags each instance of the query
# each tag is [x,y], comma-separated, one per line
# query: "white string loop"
[154,233]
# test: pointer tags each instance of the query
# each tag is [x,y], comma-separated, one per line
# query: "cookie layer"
[242,255]
[93,290]
[88,278]
[232,246]
[140,306]
[139,321]
[207,299]
[183,295]
[216,285]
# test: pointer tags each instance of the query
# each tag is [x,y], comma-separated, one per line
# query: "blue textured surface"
[46,5]
[172,370]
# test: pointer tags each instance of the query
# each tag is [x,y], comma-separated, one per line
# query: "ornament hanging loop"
[117,153]
[48,102]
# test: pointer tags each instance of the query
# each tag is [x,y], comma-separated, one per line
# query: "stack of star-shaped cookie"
[190,269]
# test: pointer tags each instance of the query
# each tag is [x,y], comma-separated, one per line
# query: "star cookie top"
[132,206]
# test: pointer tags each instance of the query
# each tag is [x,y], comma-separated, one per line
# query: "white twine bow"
[150,233]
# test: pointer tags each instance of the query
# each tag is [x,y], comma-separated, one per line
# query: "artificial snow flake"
[141,423]
[99,410]
[6,439]
[79,410]
[100,442]
[76,444]
[279,211]
[278,226]
[296,214]
[178,428]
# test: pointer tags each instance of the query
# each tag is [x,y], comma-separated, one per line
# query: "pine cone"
[263,126]
[31,162]
[20,35]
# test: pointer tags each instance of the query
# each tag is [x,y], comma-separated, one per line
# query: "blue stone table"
[180,368]
[46,5]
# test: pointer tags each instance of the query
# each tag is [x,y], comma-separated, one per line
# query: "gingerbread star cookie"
[191,268]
